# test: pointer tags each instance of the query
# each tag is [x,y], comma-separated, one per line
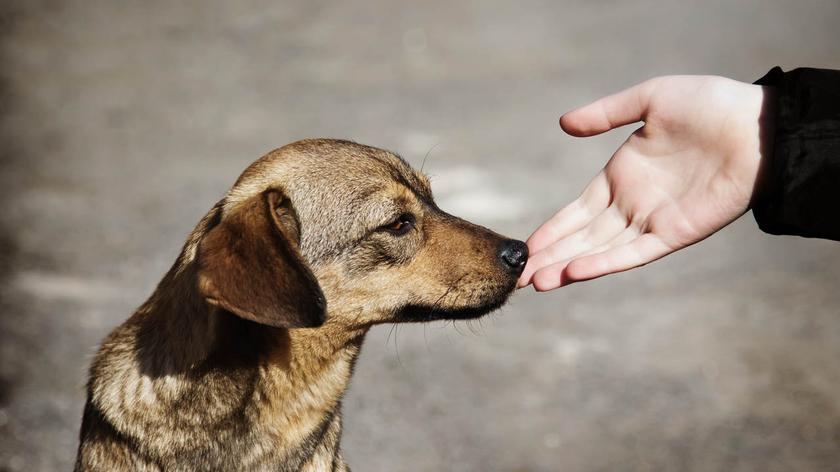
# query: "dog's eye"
[401,225]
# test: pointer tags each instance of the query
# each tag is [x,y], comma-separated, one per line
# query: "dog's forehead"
[341,171]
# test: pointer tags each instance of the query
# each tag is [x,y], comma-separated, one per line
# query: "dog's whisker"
[388,339]
[447,292]
[447,332]
[397,347]
[437,302]
[472,328]
[423,164]
[455,325]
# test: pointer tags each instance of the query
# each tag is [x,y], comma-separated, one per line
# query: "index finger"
[574,216]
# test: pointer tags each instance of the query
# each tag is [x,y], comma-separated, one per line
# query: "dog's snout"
[514,255]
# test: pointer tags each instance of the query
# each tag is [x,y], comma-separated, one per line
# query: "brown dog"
[239,359]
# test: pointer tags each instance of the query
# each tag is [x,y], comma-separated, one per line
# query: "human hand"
[688,172]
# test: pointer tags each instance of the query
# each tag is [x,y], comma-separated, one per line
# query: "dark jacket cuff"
[800,181]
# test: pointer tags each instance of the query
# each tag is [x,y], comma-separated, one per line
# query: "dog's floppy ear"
[249,264]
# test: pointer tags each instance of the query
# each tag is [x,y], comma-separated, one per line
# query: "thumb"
[622,108]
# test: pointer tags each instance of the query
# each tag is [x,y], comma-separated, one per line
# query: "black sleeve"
[800,182]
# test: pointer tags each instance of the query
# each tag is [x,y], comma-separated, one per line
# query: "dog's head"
[326,223]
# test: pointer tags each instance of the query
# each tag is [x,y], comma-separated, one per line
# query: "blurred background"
[123,122]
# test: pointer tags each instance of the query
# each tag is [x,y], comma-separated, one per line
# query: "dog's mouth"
[422,312]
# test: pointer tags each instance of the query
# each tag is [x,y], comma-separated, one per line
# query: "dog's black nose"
[514,255]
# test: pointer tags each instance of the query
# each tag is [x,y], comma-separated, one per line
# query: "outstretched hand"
[688,172]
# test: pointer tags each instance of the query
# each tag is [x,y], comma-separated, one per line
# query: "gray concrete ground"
[122,122]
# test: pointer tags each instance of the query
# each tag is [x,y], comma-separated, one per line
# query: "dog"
[240,357]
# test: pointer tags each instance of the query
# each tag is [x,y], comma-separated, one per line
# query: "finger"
[576,215]
[561,250]
[552,276]
[630,233]
[622,108]
[565,222]
[642,250]
[602,229]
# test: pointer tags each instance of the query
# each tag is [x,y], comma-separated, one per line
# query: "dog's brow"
[401,171]
[413,184]
[388,206]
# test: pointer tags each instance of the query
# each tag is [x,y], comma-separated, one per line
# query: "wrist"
[766,139]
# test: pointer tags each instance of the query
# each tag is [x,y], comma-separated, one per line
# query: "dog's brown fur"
[239,359]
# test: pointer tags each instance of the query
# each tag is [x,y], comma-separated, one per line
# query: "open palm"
[688,172]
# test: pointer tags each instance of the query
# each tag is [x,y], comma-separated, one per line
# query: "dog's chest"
[299,398]
[298,416]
